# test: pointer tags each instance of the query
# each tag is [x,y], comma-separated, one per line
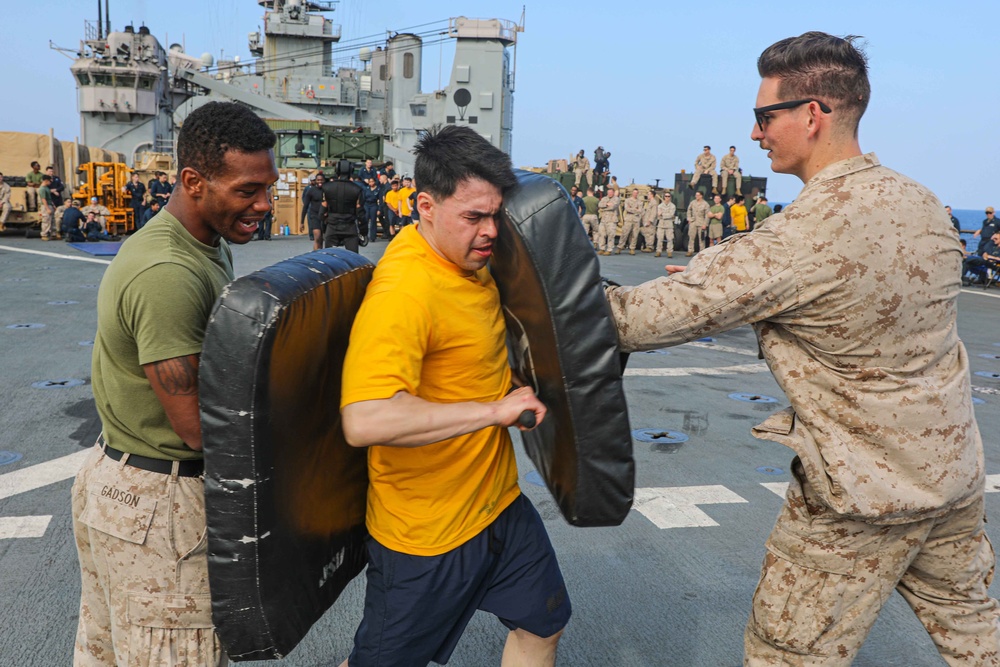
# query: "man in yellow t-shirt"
[405,210]
[392,205]
[426,386]
[739,213]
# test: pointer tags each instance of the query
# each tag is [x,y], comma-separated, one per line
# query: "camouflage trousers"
[825,578]
[725,181]
[47,217]
[696,232]
[590,225]
[4,213]
[630,233]
[696,176]
[665,233]
[606,236]
[140,538]
[648,231]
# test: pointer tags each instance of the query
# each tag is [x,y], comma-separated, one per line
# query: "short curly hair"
[216,128]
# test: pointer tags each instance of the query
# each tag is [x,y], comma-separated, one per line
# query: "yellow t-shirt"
[392,200]
[404,200]
[739,213]
[426,329]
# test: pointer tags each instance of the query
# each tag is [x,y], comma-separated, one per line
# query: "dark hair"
[455,154]
[33,163]
[819,65]
[733,147]
[708,147]
[762,198]
[740,199]
[777,208]
[46,178]
[216,128]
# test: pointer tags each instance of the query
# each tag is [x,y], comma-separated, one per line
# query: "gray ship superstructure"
[133,95]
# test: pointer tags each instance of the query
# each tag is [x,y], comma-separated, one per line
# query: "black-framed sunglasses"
[760,113]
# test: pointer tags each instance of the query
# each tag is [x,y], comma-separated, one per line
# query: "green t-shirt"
[154,302]
[590,205]
[45,194]
[34,177]
[761,212]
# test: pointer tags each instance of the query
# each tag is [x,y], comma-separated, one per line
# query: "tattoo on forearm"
[178,377]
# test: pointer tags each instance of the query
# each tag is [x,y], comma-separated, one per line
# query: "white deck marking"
[676,507]
[23,526]
[722,348]
[681,372]
[777,488]
[41,474]
[993,484]
[980,291]
[57,255]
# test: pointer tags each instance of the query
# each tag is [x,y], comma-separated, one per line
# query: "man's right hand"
[510,407]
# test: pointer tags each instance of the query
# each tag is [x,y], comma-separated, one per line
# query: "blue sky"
[650,81]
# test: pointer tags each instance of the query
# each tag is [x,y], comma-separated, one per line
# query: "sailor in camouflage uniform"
[730,166]
[630,224]
[608,213]
[697,216]
[887,484]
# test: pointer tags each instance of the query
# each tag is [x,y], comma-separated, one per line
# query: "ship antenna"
[100,22]
[107,18]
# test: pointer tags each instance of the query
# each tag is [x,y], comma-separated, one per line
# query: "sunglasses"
[760,113]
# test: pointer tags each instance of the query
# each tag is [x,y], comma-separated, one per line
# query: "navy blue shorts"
[417,607]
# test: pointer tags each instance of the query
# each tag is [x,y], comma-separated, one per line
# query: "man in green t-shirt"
[138,500]
[590,203]
[46,210]
[761,211]
[33,181]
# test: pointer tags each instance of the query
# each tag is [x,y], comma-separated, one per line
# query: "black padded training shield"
[284,493]
[563,342]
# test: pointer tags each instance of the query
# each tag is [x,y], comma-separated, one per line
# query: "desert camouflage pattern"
[860,336]
[731,162]
[825,578]
[101,213]
[697,216]
[590,225]
[630,224]
[862,339]
[648,227]
[608,213]
[704,164]
[143,559]
[665,214]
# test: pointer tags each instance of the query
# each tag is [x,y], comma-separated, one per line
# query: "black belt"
[184,468]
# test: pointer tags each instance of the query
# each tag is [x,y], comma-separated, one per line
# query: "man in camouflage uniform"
[705,164]
[4,202]
[730,166]
[630,224]
[101,211]
[608,213]
[697,216]
[589,219]
[887,484]
[138,500]
[888,479]
[581,167]
[665,214]
[648,219]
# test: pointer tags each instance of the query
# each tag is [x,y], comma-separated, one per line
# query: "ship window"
[407,65]
[381,72]
[102,79]
[83,78]
[125,80]
[146,83]
[473,120]
[418,109]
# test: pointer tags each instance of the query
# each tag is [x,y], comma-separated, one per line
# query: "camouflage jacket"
[860,336]
[730,162]
[698,213]
[705,162]
[665,214]
[649,212]
[608,209]
[633,209]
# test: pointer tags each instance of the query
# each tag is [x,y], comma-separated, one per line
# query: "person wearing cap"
[405,205]
[990,227]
